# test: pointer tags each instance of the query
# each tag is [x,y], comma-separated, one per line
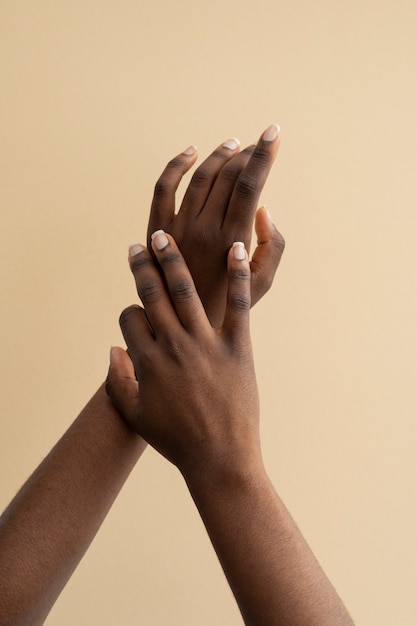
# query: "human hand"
[198,401]
[218,208]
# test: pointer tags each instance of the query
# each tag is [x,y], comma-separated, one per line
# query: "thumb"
[121,384]
[267,255]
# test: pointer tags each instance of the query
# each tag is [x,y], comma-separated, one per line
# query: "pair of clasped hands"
[190,345]
[187,386]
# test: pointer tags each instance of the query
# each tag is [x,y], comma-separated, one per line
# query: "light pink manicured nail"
[232,143]
[271,132]
[190,150]
[159,239]
[135,248]
[239,251]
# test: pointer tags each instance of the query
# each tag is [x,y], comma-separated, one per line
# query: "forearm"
[49,525]
[270,568]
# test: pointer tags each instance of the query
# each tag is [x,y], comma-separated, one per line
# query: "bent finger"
[163,202]
[267,255]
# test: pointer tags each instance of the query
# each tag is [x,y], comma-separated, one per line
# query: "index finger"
[244,200]
[179,282]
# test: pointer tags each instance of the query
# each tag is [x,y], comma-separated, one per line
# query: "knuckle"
[261,156]
[240,301]
[201,178]
[237,273]
[246,185]
[148,291]
[229,173]
[182,289]
[217,154]
[127,315]
[174,348]
[162,187]
[171,257]
[207,238]
[139,261]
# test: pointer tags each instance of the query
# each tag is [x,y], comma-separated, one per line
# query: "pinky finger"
[236,320]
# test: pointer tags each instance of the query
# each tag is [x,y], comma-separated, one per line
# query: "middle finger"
[205,176]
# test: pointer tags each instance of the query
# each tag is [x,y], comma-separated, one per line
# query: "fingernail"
[135,248]
[271,132]
[239,251]
[232,143]
[190,150]
[159,239]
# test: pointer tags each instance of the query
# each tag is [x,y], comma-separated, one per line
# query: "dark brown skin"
[184,363]
[219,208]
[198,406]
[48,526]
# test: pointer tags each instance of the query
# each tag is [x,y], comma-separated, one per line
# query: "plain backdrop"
[95,97]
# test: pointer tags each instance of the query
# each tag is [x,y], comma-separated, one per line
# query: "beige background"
[95,97]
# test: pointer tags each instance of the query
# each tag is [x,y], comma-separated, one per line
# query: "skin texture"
[198,406]
[219,208]
[50,523]
[48,526]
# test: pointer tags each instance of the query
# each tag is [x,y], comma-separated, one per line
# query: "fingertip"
[238,251]
[270,140]
[120,360]
[266,211]
[115,368]
[159,240]
[272,133]
[238,261]
[190,151]
[135,248]
[129,315]
[266,231]
[113,356]
[121,384]
[232,144]
[263,225]
[189,156]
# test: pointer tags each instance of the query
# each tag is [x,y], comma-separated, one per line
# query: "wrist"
[224,471]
